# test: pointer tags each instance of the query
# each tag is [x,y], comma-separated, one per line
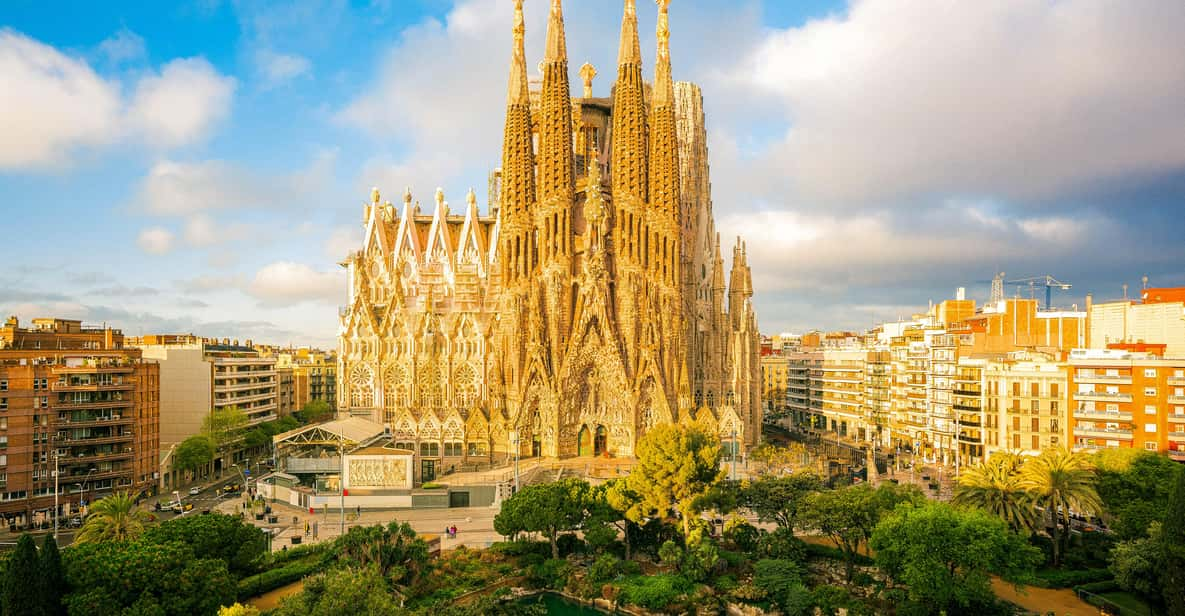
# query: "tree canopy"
[779,499]
[1061,482]
[114,518]
[223,424]
[215,535]
[393,550]
[22,580]
[997,486]
[946,555]
[194,453]
[1172,546]
[53,578]
[314,411]
[676,466]
[849,515]
[548,508]
[1134,488]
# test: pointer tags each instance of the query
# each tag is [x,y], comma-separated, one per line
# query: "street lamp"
[732,452]
[514,443]
[55,495]
[82,486]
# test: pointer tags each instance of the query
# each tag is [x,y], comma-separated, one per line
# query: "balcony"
[1115,434]
[971,393]
[1177,437]
[112,474]
[1176,380]
[75,458]
[122,367]
[1177,455]
[1116,379]
[118,420]
[98,440]
[1102,415]
[91,404]
[67,387]
[1176,399]
[1103,395]
[1176,417]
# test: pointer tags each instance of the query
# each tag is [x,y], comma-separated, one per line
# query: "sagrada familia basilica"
[586,306]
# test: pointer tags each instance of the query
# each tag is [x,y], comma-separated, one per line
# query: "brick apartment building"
[74,397]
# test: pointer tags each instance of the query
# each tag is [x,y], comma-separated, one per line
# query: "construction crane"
[1047,281]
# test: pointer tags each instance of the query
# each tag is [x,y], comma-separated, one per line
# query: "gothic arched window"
[361,386]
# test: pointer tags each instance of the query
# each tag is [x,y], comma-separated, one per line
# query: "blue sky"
[201,166]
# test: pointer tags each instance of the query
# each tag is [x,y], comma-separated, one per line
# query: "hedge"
[823,551]
[1053,578]
[272,579]
[1099,587]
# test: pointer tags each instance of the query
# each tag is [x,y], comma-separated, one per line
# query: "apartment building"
[799,395]
[1128,399]
[1160,319]
[198,375]
[314,375]
[74,398]
[840,402]
[775,374]
[1026,401]
[968,407]
[940,420]
[285,392]
[877,403]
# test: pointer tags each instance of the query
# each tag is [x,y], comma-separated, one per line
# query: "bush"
[1056,578]
[782,544]
[823,551]
[569,544]
[725,584]
[1099,587]
[551,574]
[272,579]
[300,552]
[606,567]
[742,534]
[432,485]
[522,547]
[654,592]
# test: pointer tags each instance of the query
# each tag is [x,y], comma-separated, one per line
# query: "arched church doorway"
[600,441]
[584,442]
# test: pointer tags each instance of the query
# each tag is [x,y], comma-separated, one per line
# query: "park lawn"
[1128,602]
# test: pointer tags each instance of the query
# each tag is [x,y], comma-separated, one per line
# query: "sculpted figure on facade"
[585,306]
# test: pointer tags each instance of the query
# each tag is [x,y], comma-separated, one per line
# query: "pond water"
[558,605]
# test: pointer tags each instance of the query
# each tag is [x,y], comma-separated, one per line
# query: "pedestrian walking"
[306,529]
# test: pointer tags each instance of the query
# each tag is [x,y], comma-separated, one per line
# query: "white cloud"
[55,104]
[51,103]
[1018,99]
[181,104]
[285,282]
[342,241]
[123,46]
[278,69]
[155,240]
[174,188]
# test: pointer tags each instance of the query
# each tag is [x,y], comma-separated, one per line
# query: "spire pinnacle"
[664,89]
[556,48]
[630,50]
[517,88]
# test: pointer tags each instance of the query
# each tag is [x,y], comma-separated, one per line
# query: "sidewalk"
[475,525]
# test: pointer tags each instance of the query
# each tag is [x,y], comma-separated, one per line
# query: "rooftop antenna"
[1144,283]
[1125,290]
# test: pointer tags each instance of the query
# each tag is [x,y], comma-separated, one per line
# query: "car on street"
[194,491]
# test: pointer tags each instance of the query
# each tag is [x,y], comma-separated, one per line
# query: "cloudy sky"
[202,167]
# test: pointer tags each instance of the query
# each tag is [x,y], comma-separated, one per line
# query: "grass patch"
[1129,603]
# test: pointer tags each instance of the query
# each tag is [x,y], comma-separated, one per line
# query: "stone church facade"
[585,306]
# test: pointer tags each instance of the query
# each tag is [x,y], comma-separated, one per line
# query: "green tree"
[216,535]
[144,578]
[1172,547]
[607,504]
[22,580]
[1060,482]
[946,556]
[781,581]
[393,550]
[548,508]
[115,518]
[848,515]
[347,591]
[778,499]
[53,578]
[996,486]
[194,453]
[1136,564]
[314,411]
[238,609]
[224,424]
[1134,488]
[676,467]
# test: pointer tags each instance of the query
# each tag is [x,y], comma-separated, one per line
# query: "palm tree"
[115,518]
[996,487]
[1060,481]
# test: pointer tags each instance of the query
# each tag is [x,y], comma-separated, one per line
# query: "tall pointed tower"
[630,184]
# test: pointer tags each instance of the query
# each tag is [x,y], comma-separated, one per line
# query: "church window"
[452,449]
[430,449]
[361,386]
[478,448]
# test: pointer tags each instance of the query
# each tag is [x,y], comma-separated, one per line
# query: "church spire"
[629,147]
[556,47]
[664,160]
[556,172]
[518,164]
